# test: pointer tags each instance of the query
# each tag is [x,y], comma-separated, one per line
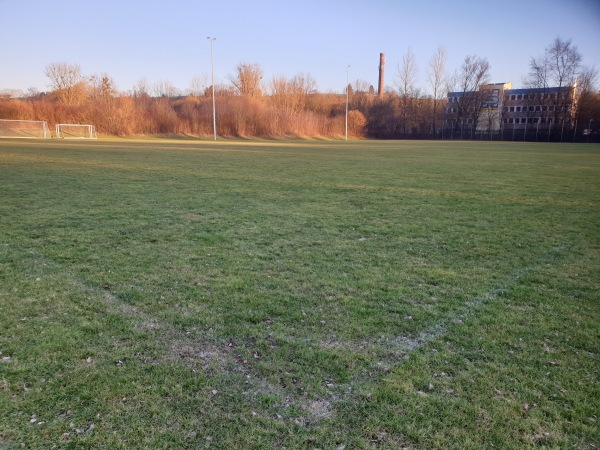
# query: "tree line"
[250,106]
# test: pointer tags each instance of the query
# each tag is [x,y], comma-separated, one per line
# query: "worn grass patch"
[167,294]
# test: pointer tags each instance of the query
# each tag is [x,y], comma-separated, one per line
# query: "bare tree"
[587,81]
[407,86]
[407,74]
[221,90]
[305,83]
[558,68]
[290,95]
[280,94]
[361,87]
[436,76]
[67,82]
[104,111]
[165,88]
[564,61]
[198,85]
[587,97]
[469,104]
[141,88]
[283,95]
[33,92]
[103,86]
[11,93]
[363,95]
[247,79]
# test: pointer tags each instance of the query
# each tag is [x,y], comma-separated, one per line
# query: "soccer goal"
[75,131]
[33,129]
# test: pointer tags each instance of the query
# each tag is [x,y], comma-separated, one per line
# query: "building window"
[512,109]
[512,97]
[519,97]
[538,108]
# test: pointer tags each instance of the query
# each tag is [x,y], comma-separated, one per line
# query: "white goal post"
[75,131]
[32,129]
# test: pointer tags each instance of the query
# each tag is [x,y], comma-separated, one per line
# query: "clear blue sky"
[166,40]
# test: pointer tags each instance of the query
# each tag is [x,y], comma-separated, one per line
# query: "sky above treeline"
[167,40]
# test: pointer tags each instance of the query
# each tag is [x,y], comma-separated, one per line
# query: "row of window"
[532,120]
[518,120]
[535,96]
[511,109]
[461,122]
[514,97]
[528,108]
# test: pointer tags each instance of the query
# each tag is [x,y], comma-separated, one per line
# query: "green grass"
[190,294]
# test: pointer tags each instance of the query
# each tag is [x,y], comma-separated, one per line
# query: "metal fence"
[507,134]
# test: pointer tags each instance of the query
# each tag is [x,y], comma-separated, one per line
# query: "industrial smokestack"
[380,88]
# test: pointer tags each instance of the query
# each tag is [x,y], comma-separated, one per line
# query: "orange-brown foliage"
[320,115]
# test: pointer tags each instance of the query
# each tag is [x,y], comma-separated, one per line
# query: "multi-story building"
[538,107]
[497,107]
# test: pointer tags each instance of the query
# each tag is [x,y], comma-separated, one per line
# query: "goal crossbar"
[25,129]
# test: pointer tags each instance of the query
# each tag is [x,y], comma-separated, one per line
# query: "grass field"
[299,295]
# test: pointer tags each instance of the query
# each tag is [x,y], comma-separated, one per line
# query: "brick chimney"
[381,86]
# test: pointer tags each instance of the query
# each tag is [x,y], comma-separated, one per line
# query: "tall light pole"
[347,82]
[212,69]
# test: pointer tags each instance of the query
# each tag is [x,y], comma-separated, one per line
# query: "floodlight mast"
[212,69]
[347,83]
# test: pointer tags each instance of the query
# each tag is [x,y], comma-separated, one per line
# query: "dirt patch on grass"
[318,409]
[195,355]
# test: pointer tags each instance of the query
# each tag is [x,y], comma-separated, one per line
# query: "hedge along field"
[299,294]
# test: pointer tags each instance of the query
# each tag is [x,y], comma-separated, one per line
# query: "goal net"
[75,131]
[33,129]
